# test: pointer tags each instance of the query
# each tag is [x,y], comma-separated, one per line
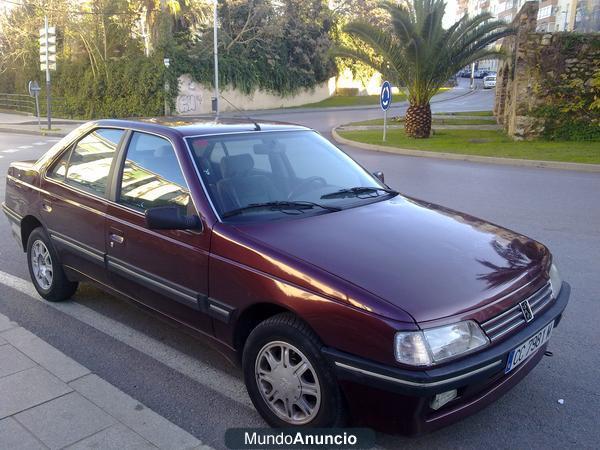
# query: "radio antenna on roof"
[256,125]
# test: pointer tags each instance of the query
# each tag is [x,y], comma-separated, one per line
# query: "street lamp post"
[216,55]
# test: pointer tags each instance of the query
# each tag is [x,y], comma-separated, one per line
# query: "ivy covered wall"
[550,84]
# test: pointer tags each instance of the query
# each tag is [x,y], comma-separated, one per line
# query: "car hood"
[430,261]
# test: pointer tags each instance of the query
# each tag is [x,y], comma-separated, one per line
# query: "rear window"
[87,164]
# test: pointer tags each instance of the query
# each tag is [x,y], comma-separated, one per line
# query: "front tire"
[46,272]
[289,381]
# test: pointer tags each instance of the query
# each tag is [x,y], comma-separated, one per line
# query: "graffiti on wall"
[189,99]
[188,103]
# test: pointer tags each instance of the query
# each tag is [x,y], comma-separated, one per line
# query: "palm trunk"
[417,123]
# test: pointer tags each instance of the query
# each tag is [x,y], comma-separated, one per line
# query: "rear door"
[166,270]
[74,201]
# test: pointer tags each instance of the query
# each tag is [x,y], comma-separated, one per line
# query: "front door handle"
[115,238]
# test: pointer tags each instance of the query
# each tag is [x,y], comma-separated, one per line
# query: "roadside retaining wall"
[195,98]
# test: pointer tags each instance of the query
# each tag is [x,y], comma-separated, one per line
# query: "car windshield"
[259,176]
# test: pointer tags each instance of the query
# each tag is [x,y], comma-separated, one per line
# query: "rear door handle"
[47,205]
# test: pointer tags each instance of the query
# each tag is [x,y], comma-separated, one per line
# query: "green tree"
[416,51]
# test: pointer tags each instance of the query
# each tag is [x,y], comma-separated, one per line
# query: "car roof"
[199,126]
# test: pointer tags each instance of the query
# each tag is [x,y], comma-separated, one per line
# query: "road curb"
[580,167]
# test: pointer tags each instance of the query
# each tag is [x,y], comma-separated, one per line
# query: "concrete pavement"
[48,400]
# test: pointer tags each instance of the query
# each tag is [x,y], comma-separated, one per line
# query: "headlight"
[555,280]
[431,346]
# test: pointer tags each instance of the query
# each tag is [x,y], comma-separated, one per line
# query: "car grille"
[510,320]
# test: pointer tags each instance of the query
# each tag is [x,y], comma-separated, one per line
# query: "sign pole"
[34,91]
[384,124]
[37,108]
[48,95]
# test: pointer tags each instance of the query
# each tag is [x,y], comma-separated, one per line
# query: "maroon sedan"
[341,298]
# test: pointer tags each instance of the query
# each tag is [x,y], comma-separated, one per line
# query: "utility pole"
[48,62]
[216,54]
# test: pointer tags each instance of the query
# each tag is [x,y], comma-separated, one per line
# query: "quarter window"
[152,176]
[87,164]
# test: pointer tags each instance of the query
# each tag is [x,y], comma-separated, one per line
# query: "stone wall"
[543,71]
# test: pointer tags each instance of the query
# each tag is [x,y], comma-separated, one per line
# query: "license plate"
[527,348]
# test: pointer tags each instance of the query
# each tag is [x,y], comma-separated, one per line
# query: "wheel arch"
[28,224]
[251,317]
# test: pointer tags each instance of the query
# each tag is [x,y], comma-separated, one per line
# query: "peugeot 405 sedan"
[341,299]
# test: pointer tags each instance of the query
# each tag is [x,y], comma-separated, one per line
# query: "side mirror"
[379,175]
[171,218]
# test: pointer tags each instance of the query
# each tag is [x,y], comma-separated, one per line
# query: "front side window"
[87,164]
[243,172]
[152,176]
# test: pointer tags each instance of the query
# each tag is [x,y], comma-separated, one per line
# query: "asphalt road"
[194,387]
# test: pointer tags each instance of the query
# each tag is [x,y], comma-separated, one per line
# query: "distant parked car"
[338,296]
[489,82]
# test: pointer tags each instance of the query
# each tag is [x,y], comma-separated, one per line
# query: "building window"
[544,12]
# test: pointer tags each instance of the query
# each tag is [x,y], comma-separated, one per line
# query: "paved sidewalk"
[48,400]
[27,124]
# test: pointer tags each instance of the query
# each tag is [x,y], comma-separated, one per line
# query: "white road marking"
[25,146]
[217,380]
[39,143]
[53,140]
[10,150]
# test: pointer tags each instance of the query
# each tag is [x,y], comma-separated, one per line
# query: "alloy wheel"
[288,382]
[41,262]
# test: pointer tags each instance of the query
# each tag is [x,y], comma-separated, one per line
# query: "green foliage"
[110,59]
[128,87]
[572,108]
[278,47]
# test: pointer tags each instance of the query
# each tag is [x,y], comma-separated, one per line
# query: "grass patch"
[351,100]
[485,143]
[436,121]
[465,113]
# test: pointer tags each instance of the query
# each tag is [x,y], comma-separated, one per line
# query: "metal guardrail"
[17,102]
[26,104]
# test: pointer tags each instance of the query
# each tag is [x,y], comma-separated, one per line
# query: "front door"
[166,270]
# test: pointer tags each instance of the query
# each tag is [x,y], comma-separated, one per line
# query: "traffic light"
[48,48]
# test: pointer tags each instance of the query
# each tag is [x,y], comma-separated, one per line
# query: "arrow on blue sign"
[385,98]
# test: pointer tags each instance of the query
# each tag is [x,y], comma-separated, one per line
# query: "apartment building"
[553,15]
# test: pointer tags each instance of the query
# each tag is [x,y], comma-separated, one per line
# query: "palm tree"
[418,53]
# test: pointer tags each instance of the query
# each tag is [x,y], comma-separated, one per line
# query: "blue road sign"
[385,98]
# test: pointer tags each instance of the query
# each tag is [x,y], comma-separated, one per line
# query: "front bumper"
[479,378]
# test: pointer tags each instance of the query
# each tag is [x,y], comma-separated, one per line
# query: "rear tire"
[46,272]
[289,381]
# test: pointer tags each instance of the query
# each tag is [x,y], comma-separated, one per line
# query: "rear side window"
[152,176]
[87,164]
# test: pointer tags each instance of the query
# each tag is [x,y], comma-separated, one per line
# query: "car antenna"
[256,125]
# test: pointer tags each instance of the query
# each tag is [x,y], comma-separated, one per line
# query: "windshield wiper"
[370,191]
[283,206]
